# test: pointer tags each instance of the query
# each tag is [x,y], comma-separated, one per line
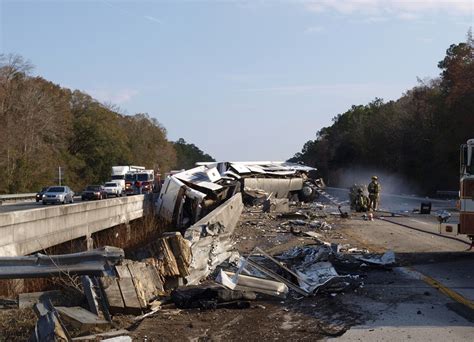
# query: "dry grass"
[12,288]
[16,324]
[129,237]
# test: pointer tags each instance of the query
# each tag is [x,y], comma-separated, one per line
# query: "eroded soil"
[295,318]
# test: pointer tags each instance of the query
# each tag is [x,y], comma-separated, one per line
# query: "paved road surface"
[431,296]
[403,307]
[28,205]
[402,203]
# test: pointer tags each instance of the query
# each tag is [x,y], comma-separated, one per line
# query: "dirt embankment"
[268,318]
[295,318]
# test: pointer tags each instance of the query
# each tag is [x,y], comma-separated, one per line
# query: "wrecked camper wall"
[171,200]
[167,204]
[211,238]
[189,195]
[279,187]
[201,176]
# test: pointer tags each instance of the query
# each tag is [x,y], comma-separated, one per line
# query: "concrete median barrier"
[29,231]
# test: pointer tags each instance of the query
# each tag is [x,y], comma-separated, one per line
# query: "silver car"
[58,194]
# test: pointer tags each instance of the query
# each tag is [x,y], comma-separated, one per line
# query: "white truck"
[114,189]
[119,172]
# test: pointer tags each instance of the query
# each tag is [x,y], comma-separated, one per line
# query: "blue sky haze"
[243,80]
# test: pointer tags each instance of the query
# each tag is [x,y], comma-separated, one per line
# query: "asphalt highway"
[28,205]
[430,297]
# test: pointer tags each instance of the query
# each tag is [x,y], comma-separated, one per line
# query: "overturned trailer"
[205,203]
[274,179]
[188,196]
[204,207]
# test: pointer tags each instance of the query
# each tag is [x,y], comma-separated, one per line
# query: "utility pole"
[60,175]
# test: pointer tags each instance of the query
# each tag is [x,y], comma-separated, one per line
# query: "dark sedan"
[39,195]
[94,192]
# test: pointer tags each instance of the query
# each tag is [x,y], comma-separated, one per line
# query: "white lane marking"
[422,222]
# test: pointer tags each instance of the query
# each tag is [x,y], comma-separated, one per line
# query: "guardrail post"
[89,242]
[128,229]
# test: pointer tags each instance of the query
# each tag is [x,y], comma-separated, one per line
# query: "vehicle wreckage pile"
[196,265]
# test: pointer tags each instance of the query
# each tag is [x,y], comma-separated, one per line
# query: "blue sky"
[243,80]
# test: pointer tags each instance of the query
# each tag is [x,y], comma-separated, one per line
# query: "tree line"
[417,136]
[44,126]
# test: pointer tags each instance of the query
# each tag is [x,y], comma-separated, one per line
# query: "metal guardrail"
[16,197]
[447,193]
[96,262]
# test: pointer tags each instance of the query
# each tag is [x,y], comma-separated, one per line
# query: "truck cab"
[466,193]
[139,182]
[118,173]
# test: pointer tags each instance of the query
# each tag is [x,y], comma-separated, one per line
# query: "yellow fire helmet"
[374,177]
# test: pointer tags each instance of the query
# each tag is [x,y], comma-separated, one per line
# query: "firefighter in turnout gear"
[358,200]
[374,189]
[361,202]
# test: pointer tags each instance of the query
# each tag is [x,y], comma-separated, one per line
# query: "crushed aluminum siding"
[211,238]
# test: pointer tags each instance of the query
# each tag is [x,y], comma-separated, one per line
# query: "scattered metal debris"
[279,205]
[203,205]
[387,259]
[210,239]
[298,215]
[443,216]
[49,326]
[188,196]
[106,336]
[210,296]
[252,283]
[282,179]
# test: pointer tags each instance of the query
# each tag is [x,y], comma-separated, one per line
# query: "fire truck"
[139,182]
[466,193]
[465,204]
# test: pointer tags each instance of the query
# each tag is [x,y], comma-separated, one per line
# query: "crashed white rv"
[205,203]
[188,196]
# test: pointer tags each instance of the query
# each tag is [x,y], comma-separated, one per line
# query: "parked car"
[39,195]
[58,194]
[113,189]
[94,192]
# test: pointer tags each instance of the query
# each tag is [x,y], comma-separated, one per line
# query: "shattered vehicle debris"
[204,203]
[278,179]
[210,296]
[316,273]
[306,270]
[210,239]
[199,264]
[190,195]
